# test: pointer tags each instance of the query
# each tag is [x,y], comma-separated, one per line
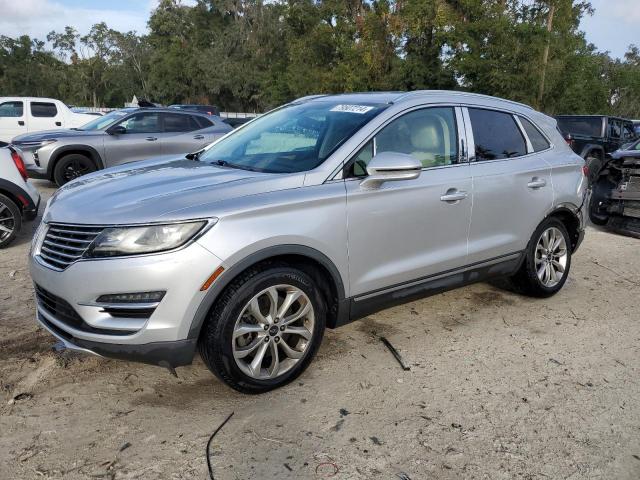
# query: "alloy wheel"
[7,222]
[273,332]
[551,257]
[75,169]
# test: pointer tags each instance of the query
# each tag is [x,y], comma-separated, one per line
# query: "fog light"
[141,297]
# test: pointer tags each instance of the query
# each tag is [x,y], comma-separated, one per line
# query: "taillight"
[585,170]
[17,159]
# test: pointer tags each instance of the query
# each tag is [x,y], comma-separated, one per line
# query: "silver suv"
[321,212]
[122,136]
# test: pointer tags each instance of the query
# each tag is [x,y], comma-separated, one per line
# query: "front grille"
[59,309]
[64,244]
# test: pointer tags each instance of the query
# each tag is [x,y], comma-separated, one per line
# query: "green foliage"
[254,55]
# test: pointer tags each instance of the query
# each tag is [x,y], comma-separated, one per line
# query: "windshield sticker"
[351,108]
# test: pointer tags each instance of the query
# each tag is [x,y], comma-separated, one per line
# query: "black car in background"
[596,137]
[206,109]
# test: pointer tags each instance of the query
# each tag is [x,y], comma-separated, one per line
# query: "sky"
[613,27]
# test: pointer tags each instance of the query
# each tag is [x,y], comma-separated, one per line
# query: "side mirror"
[117,130]
[389,167]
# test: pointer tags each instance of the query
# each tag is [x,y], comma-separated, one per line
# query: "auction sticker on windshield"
[351,108]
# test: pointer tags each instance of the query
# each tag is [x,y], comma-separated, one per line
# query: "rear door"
[44,115]
[407,230]
[183,133]
[140,141]
[512,190]
[13,120]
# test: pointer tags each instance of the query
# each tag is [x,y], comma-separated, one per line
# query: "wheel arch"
[571,221]
[80,149]
[308,259]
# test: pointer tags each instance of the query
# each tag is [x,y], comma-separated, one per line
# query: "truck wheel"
[10,221]
[71,167]
[594,164]
[265,329]
[547,261]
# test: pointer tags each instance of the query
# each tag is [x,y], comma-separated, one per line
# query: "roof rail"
[418,93]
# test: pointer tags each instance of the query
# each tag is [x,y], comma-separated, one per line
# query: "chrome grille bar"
[65,244]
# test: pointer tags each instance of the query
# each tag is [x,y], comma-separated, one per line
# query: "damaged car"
[615,199]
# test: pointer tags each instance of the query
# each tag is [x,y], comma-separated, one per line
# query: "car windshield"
[294,138]
[104,121]
[591,126]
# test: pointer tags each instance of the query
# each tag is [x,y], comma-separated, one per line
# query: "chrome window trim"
[527,141]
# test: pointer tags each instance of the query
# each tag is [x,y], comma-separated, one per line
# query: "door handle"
[198,137]
[453,195]
[21,123]
[151,139]
[537,183]
[58,124]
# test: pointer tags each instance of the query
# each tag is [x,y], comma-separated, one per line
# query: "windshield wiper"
[194,155]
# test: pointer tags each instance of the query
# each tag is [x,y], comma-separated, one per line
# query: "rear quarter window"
[538,141]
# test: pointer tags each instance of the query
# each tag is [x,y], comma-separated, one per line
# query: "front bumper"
[160,339]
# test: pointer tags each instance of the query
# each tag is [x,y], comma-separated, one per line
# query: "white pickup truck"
[20,115]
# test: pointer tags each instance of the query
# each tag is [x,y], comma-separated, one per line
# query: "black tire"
[72,166]
[594,163]
[526,280]
[216,339]
[11,221]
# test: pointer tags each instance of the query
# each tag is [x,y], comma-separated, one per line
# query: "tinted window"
[142,123]
[179,123]
[203,122]
[628,132]
[429,135]
[591,126]
[496,135]
[615,128]
[538,142]
[42,109]
[11,109]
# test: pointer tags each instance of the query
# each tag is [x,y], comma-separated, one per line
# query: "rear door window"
[538,142]
[496,135]
[43,109]
[11,109]
[176,122]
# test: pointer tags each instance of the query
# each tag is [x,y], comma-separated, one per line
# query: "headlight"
[118,241]
[34,145]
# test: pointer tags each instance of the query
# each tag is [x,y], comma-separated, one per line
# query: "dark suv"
[595,137]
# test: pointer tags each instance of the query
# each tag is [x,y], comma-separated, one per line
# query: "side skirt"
[372,302]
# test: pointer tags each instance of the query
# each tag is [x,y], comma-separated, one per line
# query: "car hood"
[50,134]
[158,190]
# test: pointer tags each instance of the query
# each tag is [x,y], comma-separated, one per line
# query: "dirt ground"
[500,387]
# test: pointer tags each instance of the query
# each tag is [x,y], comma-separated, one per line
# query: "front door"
[141,140]
[407,230]
[13,121]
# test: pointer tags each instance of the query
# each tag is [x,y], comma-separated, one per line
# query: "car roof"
[395,97]
[594,116]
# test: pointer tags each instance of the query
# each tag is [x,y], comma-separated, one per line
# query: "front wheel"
[71,167]
[547,262]
[264,330]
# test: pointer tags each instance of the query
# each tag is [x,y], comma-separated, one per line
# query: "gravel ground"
[500,387]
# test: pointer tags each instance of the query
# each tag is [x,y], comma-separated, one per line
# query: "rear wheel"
[10,221]
[548,260]
[71,167]
[264,330]
[594,164]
